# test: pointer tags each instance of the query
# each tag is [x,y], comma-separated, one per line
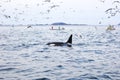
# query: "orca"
[68,43]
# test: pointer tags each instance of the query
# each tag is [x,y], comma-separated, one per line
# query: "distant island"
[63,23]
[59,23]
[54,24]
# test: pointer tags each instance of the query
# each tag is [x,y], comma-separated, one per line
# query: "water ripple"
[42,79]
[24,54]
[7,69]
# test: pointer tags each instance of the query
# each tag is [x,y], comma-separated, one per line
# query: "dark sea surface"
[94,55]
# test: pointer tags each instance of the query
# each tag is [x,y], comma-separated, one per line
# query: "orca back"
[69,40]
[68,43]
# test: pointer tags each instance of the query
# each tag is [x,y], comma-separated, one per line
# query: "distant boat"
[59,28]
[110,28]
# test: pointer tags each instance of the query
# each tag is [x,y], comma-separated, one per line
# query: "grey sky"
[50,11]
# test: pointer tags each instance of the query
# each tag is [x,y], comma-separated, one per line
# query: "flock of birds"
[114,10]
[18,12]
[52,5]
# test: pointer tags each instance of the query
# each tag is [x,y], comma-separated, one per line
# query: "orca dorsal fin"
[70,39]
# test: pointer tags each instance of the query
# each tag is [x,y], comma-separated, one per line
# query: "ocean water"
[24,54]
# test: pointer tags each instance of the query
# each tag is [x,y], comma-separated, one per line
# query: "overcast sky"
[50,11]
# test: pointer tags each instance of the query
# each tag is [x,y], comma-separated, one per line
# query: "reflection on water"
[24,54]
